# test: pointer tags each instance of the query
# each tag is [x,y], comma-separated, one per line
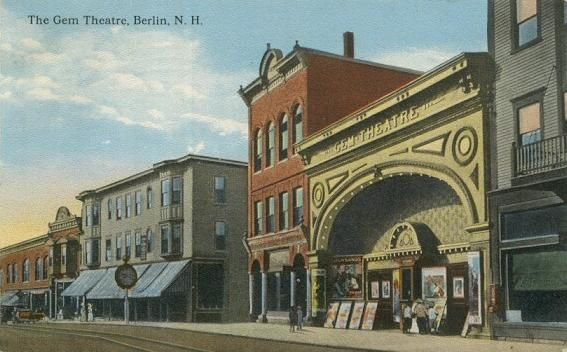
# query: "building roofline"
[168,162]
[25,244]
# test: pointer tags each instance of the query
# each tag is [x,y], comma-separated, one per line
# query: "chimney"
[348,40]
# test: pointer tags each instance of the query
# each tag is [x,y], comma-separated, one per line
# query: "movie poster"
[356,317]
[347,277]
[396,295]
[369,316]
[331,315]
[475,310]
[344,313]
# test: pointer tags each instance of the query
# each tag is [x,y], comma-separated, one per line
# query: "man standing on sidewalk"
[292,318]
[299,318]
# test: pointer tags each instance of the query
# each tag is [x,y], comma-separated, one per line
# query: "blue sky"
[81,105]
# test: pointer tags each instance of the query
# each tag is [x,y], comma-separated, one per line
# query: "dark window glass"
[118,208]
[108,256]
[220,235]
[220,194]
[149,197]
[177,191]
[119,247]
[138,244]
[297,206]
[284,138]
[210,286]
[165,185]
[533,223]
[284,211]
[298,125]
[258,151]
[176,239]
[109,208]
[258,216]
[270,146]
[270,215]
[165,239]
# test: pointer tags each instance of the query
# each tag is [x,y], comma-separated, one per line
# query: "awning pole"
[126,309]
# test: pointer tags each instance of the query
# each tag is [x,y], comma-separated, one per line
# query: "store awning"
[9,299]
[84,283]
[107,287]
[543,271]
[158,279]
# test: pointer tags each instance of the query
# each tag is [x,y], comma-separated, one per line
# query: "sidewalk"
[389,340]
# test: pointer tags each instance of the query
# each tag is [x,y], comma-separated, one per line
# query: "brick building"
[295,96]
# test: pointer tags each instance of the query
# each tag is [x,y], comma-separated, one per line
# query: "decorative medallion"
[318,194]
[465,145]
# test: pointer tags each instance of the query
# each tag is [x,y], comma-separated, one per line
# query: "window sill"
[517,49]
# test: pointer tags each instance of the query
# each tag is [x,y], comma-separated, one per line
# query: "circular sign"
[126,276]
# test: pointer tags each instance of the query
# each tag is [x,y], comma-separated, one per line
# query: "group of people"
[424,314]
[295,318]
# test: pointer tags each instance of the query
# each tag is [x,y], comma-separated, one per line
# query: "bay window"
[177,191]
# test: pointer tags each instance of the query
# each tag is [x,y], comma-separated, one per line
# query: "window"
[138,244]
[26,270]
[63,254]
[165,239]
[92,252]
[297,206]
[118,208]
[149,197]
[270,215]
[270,146]
[220,235]
[45,266]
[220,194]
[9,273]
[51,256]
[109,208]
[89,215]
[128,244]
[258,224]
[14,273]
[138,205]
[176,239]
[128,205]
[177,189]
[108,255]
[527,26]
[298,125]
[165,193]
[283,138]
[96,214]
[119,247]
[258,151]
[38,270]
[284,211]
[529,124]
[149,240]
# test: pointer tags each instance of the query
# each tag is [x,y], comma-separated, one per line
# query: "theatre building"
[180,224]
[397,202]
[293,97]
[528,41]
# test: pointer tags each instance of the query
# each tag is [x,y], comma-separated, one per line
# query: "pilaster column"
[264,296]
[292,289]
[308,293]
[251,292]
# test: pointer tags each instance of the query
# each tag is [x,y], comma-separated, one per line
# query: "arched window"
[258,151]
[298,124]
[270,146]
[38,273]
[283,138]
[26,270]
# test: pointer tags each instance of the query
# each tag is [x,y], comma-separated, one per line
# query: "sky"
[84,105]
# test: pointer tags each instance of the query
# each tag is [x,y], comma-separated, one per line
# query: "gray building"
[527,39]
[180,223]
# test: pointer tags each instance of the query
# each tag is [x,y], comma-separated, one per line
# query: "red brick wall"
[18,258]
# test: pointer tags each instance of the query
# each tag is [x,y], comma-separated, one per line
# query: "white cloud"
[222,126]
[156,114]
[196,148]
[187,91]
[30,43]
[5,95]
[42,94]
[79,99]
[106,142]
[416,58]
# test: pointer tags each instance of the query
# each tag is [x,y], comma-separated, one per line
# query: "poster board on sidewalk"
[356,317]
[369,316]
[331,315]
[344,314]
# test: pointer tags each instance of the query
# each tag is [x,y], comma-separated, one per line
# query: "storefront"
[398,204]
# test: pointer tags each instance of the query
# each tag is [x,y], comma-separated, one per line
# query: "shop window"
[258,217]
[128,205]
[297,206]
[270,146]
[220,235]
[220,193]
[118,208]
[534,223]
[210,286]
[298,124]
[26,270]
[109,208]
[284,211]
[529,123]
[270,215]
[38,272]
[165,185]
[526,22]
[149,197]
[127,244]
[138,244]
[284,138]
[119,247]
[138,203]
[258,151]
[177,190]
[108,255]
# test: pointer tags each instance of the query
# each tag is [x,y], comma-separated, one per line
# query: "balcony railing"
[542,156]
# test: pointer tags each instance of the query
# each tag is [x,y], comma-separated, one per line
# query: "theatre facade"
[397,200]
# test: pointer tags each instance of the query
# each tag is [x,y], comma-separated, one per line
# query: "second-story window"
[138,244]
[298,125]
[26,270]
[527,26]
[45,266]
[118,208]
[258,151]
[176,239]
[284,211]
[149,240]
[138,205]
[96,214]
[108,255]
[270,146]
[109,208]
[284,138]
[89,215]
[258,216]
[38,272]
[297,206]
[220,194]
[63,254]
[220,235]
[177,190]
[149,198]
[128,244]
[128,205]
[119,247]
[165,186]
[270,215]
[529,124]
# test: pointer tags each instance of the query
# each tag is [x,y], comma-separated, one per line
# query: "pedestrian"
[299,318]
[407,318]
[432,315]
[292,318]
[90,316]
[421,315]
